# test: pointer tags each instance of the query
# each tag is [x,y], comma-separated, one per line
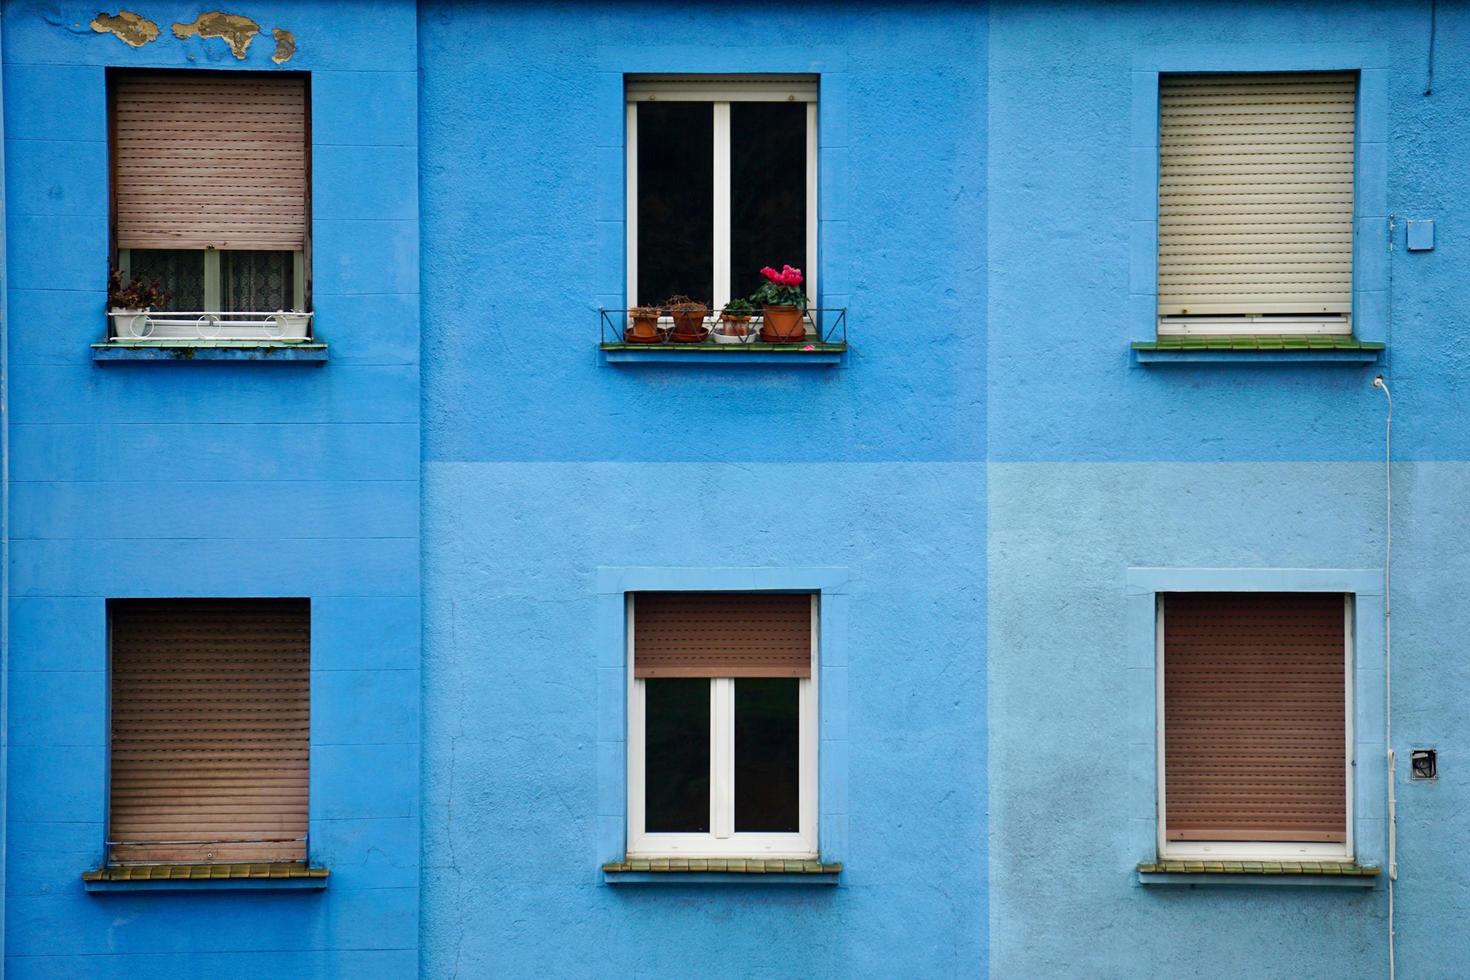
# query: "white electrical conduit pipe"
[1393,866]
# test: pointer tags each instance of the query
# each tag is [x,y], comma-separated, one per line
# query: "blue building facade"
[988,467]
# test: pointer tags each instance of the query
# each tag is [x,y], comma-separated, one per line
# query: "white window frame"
[721,90]
[1255,850]
[723,841]
[214,285]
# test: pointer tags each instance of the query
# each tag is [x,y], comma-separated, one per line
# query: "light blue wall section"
[176,479]
[544,464]
[523,226]
[1071,748]
[516,825]
[1064,291]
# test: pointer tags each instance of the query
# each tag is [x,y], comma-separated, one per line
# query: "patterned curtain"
[256,282]
[180,272]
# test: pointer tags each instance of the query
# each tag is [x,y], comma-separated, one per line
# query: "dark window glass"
[179,271]
[675,201]
[767,755]
[256,282]
[767,190]
[676,755]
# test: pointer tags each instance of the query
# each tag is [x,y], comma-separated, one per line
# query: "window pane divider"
[722,193]
[213,289]
[722,757]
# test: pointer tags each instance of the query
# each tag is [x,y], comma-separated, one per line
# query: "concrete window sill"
[1311,349]
[727,355]
[1278,874]
[273,351]
[720,871]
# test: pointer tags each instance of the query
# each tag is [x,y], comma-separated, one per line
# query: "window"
[210,730]
[1255,736]
[722,748]
[721,182]
[210,190]
[1255,214]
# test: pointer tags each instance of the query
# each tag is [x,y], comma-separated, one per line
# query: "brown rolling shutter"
[722,634]
[1255,740]
[210,730]
[210,161]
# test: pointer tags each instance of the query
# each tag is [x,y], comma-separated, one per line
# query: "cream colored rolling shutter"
[1255,729]
[210,730]
[209,161]
[1256,194]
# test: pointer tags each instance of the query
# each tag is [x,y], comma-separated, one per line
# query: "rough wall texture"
[543,464]
[179,479]
[1226,466]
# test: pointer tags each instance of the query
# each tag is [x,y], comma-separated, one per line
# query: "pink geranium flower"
[788,276]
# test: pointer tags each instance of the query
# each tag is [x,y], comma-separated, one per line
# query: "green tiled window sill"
[1256,349]
[690,871]
[227,877]
[1289,873]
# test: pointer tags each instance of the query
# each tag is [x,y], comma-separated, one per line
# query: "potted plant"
[783,305]
[734,325]
[128,304]
[644,326]
[688,314]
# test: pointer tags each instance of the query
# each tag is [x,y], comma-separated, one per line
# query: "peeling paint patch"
[127,27]
[285,45]
[236,30]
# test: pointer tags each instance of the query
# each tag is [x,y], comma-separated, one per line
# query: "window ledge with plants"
[775,325]
[720,871]
[270,876]
[141,328]
[1292,874]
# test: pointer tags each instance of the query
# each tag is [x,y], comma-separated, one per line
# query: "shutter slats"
[210,730]
[1255,743]
[721,634]
[205,162]
[1245,161]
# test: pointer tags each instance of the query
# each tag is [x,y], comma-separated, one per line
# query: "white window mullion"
[722,205]
[722,757]
[808,735]
[630,220]
[213,284]
[811,203]
[637,719]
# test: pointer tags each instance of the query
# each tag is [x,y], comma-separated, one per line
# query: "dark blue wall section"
[177,479]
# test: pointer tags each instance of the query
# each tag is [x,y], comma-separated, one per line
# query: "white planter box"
[141,327]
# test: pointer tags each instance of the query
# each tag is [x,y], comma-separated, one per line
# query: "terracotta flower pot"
[736,326]
[783,325]
[689,326]
[644,330]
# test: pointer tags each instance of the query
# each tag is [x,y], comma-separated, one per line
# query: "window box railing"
[825,332]
[146,326]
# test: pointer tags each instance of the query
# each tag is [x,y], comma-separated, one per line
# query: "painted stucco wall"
[543,464]
[1099,464]
[252,479]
